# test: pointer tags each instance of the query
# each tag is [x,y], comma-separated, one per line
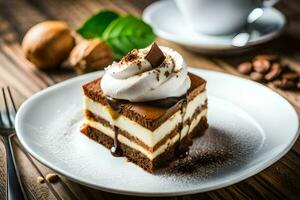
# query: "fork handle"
[13,186]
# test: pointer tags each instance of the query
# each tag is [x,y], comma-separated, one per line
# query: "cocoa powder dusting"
[167,73]
[131,56]
[157,76]
[139,64]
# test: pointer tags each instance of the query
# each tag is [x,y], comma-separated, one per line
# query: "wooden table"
[280,181]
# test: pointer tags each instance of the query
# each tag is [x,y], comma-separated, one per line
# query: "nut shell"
[91,55]
[48,44]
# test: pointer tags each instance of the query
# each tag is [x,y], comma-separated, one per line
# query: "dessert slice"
[146,107]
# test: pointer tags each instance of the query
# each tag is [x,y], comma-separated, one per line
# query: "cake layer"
[145,114]
[149,137]
[130,140]
[135,155]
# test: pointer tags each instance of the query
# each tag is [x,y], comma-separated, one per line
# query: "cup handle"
[269,3]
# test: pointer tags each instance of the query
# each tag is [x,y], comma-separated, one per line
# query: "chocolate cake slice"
[150,134]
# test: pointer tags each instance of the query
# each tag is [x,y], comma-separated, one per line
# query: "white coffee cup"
[218,17]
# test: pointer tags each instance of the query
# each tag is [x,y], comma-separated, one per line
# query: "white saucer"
[168,23]
[250,128]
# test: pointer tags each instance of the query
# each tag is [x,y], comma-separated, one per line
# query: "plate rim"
[147,13]
[246,174]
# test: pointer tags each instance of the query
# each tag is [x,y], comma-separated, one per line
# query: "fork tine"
[12,99]
[6,108]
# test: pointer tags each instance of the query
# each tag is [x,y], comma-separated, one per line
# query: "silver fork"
[7,128]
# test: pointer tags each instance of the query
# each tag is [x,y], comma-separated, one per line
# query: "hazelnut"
[48,44]
[90,55]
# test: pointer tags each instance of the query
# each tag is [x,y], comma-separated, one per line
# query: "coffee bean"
[274,72]
[261,65]
[245,68]
[284,84]
[270,57]
[289,84]
[256,76]
[285,68]
[290,76]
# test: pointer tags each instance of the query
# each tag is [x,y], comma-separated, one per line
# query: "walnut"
[90,55]
[48,44]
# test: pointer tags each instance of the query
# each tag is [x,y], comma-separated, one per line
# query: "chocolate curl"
[155,56]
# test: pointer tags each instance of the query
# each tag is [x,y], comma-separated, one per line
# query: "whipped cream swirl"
[134,79]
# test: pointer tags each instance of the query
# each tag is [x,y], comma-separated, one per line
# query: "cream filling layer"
[151,155]
[150,138]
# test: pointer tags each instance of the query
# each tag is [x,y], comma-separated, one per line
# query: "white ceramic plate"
[168,23]
[251,127]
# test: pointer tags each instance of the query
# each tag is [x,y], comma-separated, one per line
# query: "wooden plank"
[12,79]
[29,174]
[2,170]
[281,179]
[10,48]
[62,190]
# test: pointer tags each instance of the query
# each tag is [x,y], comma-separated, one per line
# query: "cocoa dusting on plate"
[213,153]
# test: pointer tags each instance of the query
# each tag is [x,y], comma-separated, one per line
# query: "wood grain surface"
[280,181]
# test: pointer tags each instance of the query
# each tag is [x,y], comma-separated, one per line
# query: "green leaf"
[126,33]
[96,25]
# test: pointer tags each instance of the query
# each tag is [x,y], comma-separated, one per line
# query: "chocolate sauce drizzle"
[116,107]
[165,103]
[115,149]
[182,149]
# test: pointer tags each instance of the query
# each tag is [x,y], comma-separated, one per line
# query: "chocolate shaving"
[131,56]
[155,56]
[167,73]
